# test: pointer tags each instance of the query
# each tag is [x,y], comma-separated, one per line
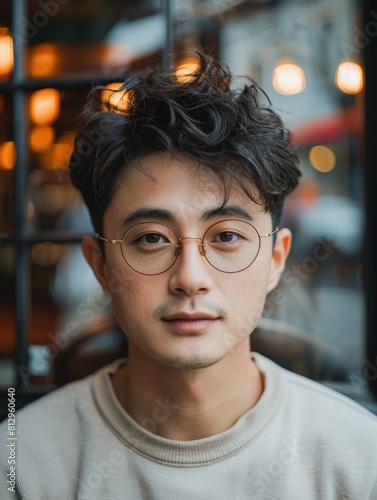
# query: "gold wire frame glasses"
[229,245]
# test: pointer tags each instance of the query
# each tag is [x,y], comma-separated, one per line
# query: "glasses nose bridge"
[201,247]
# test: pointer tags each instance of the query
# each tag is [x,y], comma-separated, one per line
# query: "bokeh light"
[349,77]
[44,106]
[289,79]
[322,158]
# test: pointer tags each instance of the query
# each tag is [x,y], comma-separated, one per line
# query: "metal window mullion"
[22,277]
[167,49]
[370,182]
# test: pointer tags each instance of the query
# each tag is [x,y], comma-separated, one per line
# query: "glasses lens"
[231,245]
[148,248]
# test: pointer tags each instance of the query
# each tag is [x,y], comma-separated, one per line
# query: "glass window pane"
[54,203]
[53,116]
[90,38]
[67,312]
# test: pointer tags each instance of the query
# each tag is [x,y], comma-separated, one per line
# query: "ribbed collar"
[199,451]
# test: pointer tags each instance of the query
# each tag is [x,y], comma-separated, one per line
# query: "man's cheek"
[248,309]
[133,305]
[120,283]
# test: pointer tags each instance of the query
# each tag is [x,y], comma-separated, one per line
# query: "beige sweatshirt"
[300,442]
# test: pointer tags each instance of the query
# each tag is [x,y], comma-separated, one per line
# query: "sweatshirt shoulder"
[63,406]
[305,399]
[320,399]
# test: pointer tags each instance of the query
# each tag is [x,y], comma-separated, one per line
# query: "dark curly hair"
[227,130]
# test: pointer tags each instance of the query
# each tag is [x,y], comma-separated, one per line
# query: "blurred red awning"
[329,128]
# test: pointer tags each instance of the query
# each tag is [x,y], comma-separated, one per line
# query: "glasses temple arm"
[265,235]
[105,239]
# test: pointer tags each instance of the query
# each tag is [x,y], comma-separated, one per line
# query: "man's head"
[230,132]
[181,158]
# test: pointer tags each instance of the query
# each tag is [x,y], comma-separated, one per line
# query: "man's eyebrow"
[142,214]
[164,215]
[227,211]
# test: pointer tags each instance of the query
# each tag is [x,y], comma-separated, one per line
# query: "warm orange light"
[349,77]
[7,155]
[289,79]
[59,154]
[6,52]
[322,158]
[114,99]
[44,106]
[44,61]
[186,68]
[41,138]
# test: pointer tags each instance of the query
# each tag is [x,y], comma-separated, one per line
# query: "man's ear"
[95,259]
[279,256]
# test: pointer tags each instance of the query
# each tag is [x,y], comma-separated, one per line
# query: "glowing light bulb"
[44,60]
[7,155]
[185,69]
[322,158]
[114,99]
[349,77]
[6,52]
[41,138]
[44,106]
[289,79]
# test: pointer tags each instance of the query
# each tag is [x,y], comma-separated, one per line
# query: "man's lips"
[189,316]
[190,323]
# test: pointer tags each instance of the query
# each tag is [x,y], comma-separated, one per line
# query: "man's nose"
[191,271]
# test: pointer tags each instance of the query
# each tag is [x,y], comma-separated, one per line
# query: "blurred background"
[314,60]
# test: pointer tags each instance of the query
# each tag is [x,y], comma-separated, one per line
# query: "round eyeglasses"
[151,248]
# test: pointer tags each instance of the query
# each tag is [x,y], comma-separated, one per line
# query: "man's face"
[192,315]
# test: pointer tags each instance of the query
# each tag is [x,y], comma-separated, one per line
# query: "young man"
[185,183]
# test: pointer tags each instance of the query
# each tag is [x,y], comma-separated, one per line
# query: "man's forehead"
[163,179]
[179,170]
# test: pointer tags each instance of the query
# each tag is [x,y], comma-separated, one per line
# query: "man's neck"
[188,404]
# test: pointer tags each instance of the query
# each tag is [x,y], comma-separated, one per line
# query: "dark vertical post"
[167,50]
[20,190]
[370,183]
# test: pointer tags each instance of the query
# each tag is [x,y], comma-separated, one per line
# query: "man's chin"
[191,363]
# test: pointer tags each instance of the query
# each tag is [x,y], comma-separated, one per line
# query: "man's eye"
[227,237]
[153,238]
